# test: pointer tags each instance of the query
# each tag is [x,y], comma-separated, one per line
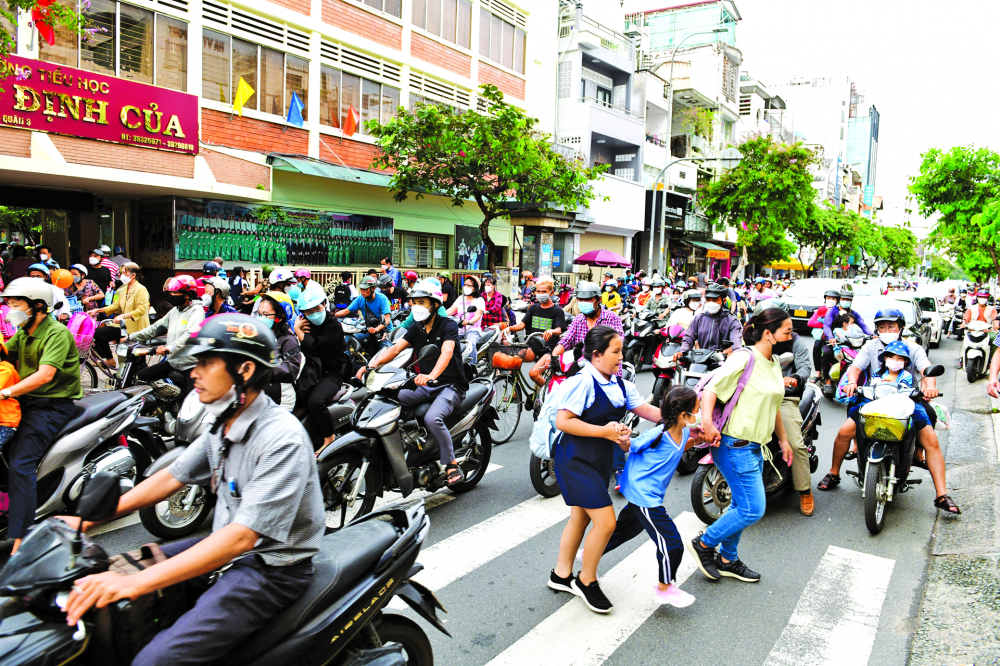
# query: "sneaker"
[618,480]
[592,596]
[736,569]
[560,584]
[579,556]
[673,596]
[705,557]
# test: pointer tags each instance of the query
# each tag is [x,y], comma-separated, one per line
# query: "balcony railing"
[609,39]
[696,224]
[611,107]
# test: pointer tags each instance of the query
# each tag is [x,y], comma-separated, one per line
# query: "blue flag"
[295,111]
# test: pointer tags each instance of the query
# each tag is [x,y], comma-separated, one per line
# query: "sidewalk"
[959,618]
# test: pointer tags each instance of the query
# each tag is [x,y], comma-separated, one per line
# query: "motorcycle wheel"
[972,370]
[543,476]
[337,475]
[710,493]
[481,449]
[393,628]
[875,497]
[660,388]
[634,356]
[507,402]
[689,461]
[169,520]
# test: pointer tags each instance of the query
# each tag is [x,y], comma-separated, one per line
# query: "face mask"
[222,404]
[712,307]
[845,305]
[317,317]
[609,289]
[692,424]
[267,323]
[467,291]
[420,313]
[43,256]
[126,278]
[177,300]
[489,289]
[894,364]
[17,318]
[982,301]
[886,338]
[586,308]
[694,305]
[76,279]
[94,261]
[831,303]
[206,301]
[645,289]
[657,291]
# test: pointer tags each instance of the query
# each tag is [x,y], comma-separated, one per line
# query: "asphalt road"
[830,592]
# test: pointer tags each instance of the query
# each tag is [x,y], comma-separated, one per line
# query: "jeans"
[619,458]
[363,338]
[742,468]
[444,401]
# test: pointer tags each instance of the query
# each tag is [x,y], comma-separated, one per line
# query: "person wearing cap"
[98,272]
[215,300]
[131,308]
[982,311]
[373,307]
[646,286]
[447,288]
[83,289]
[657,301]
[471,323]
[61,308]
[713,325]
[183,321]
[592,313]
[610,298]
[107,263]
[269,516]
[44,253]
[304,276]
[324,346]
[692,302]
[409,279]
[441,380]
[543,317]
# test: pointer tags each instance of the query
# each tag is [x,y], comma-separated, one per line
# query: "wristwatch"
[5,393]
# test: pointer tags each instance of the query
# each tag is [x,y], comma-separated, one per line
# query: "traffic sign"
[869,194]
[730,158]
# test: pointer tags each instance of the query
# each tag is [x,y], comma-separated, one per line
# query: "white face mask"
[420,313]
[43,256]
[489,289]
[645,288]
[886,338]
[831,303]
[17,318]
[694,305]
[467,291]
[222,404]
[712,307]
[206,300]
[94,261]
[657,290]
[894,364]
[125,278]
[982,301]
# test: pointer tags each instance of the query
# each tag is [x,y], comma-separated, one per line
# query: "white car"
[930,307]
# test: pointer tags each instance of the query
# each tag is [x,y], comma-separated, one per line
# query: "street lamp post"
[670,132]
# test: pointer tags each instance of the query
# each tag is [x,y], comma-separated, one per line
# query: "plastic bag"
[943,416]
[817,333]
[898,406]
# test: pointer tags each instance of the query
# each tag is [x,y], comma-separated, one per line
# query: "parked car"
[931,308]
[918,326]
[805,296]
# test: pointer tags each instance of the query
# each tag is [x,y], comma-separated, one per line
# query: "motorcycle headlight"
[388,418]
[376,381]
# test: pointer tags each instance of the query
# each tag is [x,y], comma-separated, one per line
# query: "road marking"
[576,636]
[126,521]
[837,616]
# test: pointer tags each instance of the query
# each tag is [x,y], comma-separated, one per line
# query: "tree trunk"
[996,263]
[742,263]
[484,229]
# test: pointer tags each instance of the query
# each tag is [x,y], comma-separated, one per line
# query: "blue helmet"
[890,314]
[39,267]
[759,280]
[898,348]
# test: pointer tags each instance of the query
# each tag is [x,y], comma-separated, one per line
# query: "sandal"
[851,455]
[453,474]
[829,482]
[945,503]
[922,464]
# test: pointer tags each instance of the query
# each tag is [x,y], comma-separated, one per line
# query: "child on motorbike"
[10,410]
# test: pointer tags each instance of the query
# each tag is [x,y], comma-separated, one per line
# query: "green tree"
[871,245]
[900,249]
[497,159]
[941,269]
[770,248]
[47,16]
[767,192]
[830,230]
[25,221]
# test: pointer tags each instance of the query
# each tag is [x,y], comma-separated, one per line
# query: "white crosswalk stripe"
[837,616]
[576,636]
[431,500]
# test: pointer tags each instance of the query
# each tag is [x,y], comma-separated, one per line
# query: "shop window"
[451,20]
[341,90]
[126,41]
[501,42]
[420,251]
[245,67]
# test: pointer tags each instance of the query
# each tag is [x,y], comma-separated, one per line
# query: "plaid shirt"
[494,313]
[577,330]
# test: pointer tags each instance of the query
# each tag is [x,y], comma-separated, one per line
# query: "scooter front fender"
[706,459]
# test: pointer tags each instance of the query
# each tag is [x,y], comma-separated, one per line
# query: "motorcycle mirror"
[471,308]
[934,371]
[427,352]
[99,499]
[726,344]
[925,320]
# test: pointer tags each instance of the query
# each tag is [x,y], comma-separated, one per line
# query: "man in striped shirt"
[588,297]
[108,263]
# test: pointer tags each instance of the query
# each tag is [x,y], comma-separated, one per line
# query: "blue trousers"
[41,421]
[661,529]
[742,468]
[241,602]
[619,458]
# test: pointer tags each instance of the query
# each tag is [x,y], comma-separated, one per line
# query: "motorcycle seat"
[343,558]
[89,408]
[807,398]
[475,393]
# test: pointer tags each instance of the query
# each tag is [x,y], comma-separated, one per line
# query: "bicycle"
[513,391]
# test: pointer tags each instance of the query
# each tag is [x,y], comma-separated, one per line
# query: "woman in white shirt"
[471,323]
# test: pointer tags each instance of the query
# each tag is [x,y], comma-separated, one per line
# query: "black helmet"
[237,334]
[849,295]
[715,290]
[832,293]
[386,282]
[210,268]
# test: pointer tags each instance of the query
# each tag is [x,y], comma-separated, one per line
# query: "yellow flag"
[243,93]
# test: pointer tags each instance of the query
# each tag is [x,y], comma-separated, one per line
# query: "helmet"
[621,279]
[369,282]
[447,274]
[386,282]
[640,273]
[105,249]
[847,295]
[964,291]
[279,275]
[411,275]
[234,334]
[39,267]
[770,303]
[691,295]
[951,290]
[281,300]
[210,268]
[610,283]
[724,281]
[220,285]
[586,289]
[475,281]
[832,293]
[81,268]
[897,347]
[266,270]
[426,289]
[983,294]
[310,298]
[715,290]
[759,280]
[890,314]
[29,289]
[180,283]
[303,272]
[609,274]
[119,249]
[98,251]
[649,283]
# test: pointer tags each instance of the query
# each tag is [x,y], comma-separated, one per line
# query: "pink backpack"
[721,413]
[82,326]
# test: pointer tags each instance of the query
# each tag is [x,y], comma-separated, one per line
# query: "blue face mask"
[317,317]
[586,308]
[268,323]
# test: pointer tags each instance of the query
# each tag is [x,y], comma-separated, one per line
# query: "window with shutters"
[501,42]
[451,20]
[420,251]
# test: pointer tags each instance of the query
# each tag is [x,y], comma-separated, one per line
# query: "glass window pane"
[214,65]
[394,8]
[329,99]
[419,14]
[374,4]
[508,45]
[64,51]
[448,20]
[171,53]
[519,45]
[245,67]
[440,252]
[97,53]
[350,94]
[272,81]
[434,17]
[484,33]
[136,50]
[496,38]
[297,81]
[370,102]
[464,23]
[409,255]
[390,103]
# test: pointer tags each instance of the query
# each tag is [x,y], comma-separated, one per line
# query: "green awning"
[707,246]
[314,167]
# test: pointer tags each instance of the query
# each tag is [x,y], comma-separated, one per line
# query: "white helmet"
[279,275]
[30,289]
[611,283]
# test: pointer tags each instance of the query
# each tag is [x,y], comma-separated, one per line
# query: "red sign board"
[63,100]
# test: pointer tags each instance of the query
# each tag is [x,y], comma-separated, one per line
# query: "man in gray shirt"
[269,517]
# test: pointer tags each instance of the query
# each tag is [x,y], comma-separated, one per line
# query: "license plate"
[122,350]
[801,313]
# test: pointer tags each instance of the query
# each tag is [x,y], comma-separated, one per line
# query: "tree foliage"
[47,16]
[829,231]
[767,192]
[900,249]
[941,269]
[25,221]
[770,248]
[497,159]
[871,245]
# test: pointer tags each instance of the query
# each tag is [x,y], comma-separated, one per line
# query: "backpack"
[721,414]
[544,433]
[342,295]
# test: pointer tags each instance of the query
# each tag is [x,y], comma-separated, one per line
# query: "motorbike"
[663,360]
[957,315]
[976,350]
[339,619]
[389,449]
[886,445]
[844,352]
[695,364]
[642,338]
[710,493]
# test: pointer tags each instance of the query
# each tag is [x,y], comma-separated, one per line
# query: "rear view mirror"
[428,351]
[99,499]
[726,344]
[934,371]
[925,319]
[471,308]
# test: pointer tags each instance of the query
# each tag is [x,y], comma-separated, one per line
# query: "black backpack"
[342,295]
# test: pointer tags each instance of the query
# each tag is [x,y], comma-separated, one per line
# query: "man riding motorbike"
[543,317]
[269,517]
[48,364]
[712,324]
[683,316]
[657,301]
[181,323]
[215,300]
[370,304]
[982,311]
[441,381]
[60,304]
[837,303]
[890,322]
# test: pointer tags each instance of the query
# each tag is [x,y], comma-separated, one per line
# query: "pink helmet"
[303,273]
[983,294]
[180,283]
